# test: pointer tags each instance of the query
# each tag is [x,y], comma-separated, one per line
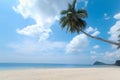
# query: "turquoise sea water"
[39,65]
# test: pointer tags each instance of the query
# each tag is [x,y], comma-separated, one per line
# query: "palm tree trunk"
[101,39]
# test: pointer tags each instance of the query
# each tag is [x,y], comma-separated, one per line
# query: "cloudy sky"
[30,32]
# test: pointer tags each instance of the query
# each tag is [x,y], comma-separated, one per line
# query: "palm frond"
[72,19]
[63,12]
[119,36]
[118,30]
[69,7]
[64,22]
[73,5]
[82,13]
[118,47]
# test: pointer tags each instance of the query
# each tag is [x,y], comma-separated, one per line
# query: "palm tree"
[72,20]
[118,40]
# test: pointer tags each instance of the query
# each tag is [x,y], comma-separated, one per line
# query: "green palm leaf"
[72,19]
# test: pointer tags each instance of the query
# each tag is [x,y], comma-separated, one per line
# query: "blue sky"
[30,32]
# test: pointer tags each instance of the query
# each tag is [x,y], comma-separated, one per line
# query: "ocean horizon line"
[44,63]
[47,65]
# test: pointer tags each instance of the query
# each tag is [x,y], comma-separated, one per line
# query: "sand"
[62,74]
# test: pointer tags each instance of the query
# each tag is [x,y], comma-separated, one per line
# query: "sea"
[43,65]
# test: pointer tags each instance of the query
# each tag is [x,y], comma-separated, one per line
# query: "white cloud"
[80,42]
[44,13]
[114,33]
[92,31]
[106,17]
[96,46]
[114,55]
[96,33]
[108,56]
[93,52]
[33,47]
[114,30]
[93,57]
[35,31]
[117,16]
[85,2]
[24,47]
[77,44]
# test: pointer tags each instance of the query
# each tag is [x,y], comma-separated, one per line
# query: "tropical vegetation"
[73,20]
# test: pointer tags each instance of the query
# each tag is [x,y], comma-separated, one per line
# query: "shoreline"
[51,68]
[111,73]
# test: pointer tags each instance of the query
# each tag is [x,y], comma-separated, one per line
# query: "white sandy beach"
[62,74]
